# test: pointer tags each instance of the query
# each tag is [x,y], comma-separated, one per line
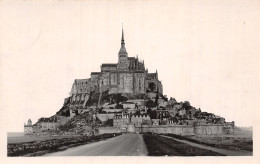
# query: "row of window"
[48,126]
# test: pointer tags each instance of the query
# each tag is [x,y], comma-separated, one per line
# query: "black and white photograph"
[129,81]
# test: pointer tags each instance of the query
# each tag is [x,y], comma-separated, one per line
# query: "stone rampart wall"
[105,130]
[176,129]
[184,130]
[209,129]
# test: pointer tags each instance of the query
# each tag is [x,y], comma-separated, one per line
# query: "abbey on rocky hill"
[124,97]
[129,75]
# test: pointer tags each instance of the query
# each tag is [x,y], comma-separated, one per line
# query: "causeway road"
[123,145]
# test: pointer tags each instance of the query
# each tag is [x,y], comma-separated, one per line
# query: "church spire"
[122,50]
[122,39]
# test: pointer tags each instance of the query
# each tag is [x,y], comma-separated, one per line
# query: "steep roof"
[95,73]
[151,75]
[122,49]
[51,119]
[131,58]
[109,65]
[142,115]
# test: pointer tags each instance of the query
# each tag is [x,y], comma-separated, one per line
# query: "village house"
[137,120]
[48,124]
[121,120]
[162,114]
[112,110]
[173,120]
[109,106]
[155,121]
[129,105]
[172,111]
[138,102]
[105,116]
[182,112]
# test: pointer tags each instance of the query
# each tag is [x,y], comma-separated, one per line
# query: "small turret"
[29,122]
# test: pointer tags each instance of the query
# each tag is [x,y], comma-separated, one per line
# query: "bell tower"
[123,63]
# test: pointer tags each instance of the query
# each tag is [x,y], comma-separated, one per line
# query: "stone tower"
[29,122]
[123,63]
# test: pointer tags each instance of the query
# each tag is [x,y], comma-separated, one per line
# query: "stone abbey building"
[129,75]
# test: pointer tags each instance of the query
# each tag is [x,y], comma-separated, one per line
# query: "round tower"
[29,122]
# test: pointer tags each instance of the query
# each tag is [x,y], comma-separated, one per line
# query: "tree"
[149,111]
[186,105]
[151,86]
[119,106]
[119,98]
[76,112]
[175,119]
[150,104]
[137,112]
[173,100]
[67,113]
[100,110]
[156,99]
[153,114]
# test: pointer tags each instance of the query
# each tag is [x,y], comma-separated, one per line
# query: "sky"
[205,52]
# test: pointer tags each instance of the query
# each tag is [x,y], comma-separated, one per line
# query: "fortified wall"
[209,129]
[107,130]
[176,129]
[184,130]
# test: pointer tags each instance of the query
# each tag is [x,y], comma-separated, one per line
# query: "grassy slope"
[161,146]
[23,139]
[229,142]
